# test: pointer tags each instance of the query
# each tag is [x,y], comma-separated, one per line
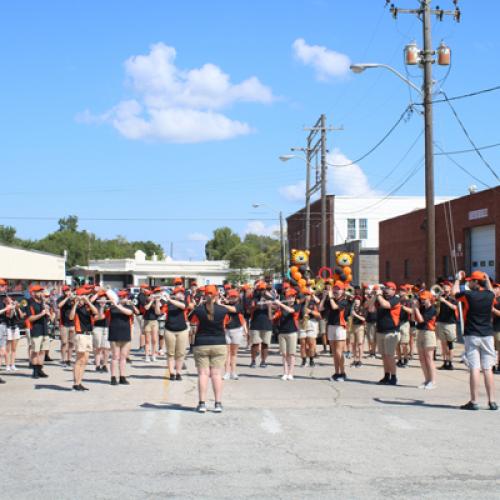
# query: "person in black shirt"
[100,333]
[210,346]
[151,313]
[14,319]
[142,299]
[288,327]
[66,325]
[496,323]
[446,326]
[120,316]
[83,313]
[478,334]
[358,314]
[261,327]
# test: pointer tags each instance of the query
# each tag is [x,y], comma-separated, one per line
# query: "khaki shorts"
[177,343]
[311,332]
[387,342]
[404,333]
[479,352]
[210,356]
[336,332]
[288,343]
[261,336]
[426,339]
[39,344]
[67,334]
[151,327]
[371,331]
[100,337]
[446,332]
[497,341]
[83,343]
[358,334]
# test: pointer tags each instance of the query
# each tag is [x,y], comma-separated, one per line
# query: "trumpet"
[410,296]
[349,291]
[319,286]
[436,290]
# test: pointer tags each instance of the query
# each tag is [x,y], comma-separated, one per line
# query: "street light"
[426,94]
[282,235]
[288,157]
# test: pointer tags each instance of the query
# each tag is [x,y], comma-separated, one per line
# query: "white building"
[119,273]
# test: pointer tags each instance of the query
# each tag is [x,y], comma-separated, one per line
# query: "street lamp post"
[426,95]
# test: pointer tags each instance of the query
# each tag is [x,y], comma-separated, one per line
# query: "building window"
[407,268]
[387,270]
[351,229]
[363,229]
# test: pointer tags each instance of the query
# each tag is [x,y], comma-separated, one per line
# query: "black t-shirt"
[403,315]
[101,323]
[429,316]
[388,319]
[14,319]
[84,319]
[150,314]
[176,318]
[120,324]
[446,313]
[477,305]
[210,332]
[259,319]
[39,327]
[371,317]
[360,312]
[288,321]
[496,319]
[142,300]
[338,317]
[65,311]
[236,319]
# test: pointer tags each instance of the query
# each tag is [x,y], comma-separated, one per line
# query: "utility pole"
[426,59]
[324,170]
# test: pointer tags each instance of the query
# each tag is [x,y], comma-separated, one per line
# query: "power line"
[379,143]
[140,219]
[462,151]
[473,144]
[470,94]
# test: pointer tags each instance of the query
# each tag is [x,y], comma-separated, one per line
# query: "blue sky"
[219,90]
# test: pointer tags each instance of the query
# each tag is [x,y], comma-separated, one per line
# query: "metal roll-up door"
[482,242]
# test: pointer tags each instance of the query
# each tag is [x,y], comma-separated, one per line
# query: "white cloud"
[198,237]
[342,180]
[259,228]
[327,63]
[294,192]
[176,105]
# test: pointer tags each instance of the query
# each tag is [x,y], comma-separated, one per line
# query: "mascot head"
[299,257]
[344,258]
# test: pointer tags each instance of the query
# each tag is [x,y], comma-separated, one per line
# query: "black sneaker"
[400,364]
[77,388]
[104,369]
[202,407]
[83,388]
[470,406]
[253,364]
[172,376]
[311,362]
[178,376]
[35,372]
[114,381]
[405,362]
[218,407]
[334,377]
[124,381]
[444,366]
[393,380]
[68,364]
[492,405]
[263,364]
[385,380]
[41,373]
[98,369]
[304,362]
[450,366]
[342,377]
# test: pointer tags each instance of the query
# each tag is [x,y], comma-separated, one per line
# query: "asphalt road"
[307,438]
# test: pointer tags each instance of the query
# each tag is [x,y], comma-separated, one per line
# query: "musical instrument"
[350,291]
[111,294]
[319,286]
[437,290]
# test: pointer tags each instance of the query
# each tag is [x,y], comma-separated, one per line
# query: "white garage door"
[483,249]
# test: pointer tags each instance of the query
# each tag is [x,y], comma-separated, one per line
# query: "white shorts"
[235,336]
[336,332]
[3,335]
[311,332]
[13,333]
[100,338]
[480,352]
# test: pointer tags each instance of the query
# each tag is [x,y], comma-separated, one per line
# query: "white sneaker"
[290,377]
[7,368]
[422,386]
[148,359]
[284,377]
[153,358]
[161,352]
[234,376]
[13,368]
[226,376]
[430,386]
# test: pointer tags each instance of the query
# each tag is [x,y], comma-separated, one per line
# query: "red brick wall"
[403,237]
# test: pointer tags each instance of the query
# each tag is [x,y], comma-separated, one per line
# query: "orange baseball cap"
[82,291]
[157,290]
[123,293]
[193,283]
[339,285]
[476,275]
[2,282]
[178,281]
[261,285]
[390,284]
[144,285]
[425,295]
[211,290]
[227,286]
[36,288]
[65,288]
[290,292]
[179,289]
[233,293]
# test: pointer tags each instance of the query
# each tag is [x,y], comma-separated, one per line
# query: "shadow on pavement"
[375,382]
[53,387]
[413,402]
[147,377]
[167,406]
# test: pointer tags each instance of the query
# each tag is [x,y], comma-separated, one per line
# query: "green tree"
[223,241]
[69,223]
[8,235]
[240,257]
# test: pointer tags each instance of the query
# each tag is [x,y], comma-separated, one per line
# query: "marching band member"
[403,351]
[235,332]
[176,331]
[446,325]
[371,325]
[496,323]
[210,346]
[287,316]
[424,313]
[5,308]
[478,334]
[40,315]
[120,316]
[261,327]
[309,328]
[323,322]
[151,313]
[83,313]
[66,325]
[337,307]
[100,334]
[358,329]
[142,300]
[14,318]
[387,306]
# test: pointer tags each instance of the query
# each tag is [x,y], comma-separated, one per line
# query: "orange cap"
[2,282]
[390,284]
[233,293]
[179,289]
[178,281]
[36,288]
[476,275]
[290,292]
[261,285]
[339,285]
[157,290]
[211,290]
[144,285]
[123,293]
[425,295]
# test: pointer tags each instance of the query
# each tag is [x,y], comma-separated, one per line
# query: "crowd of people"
[211,323]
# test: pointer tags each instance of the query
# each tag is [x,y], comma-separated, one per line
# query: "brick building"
[467,237]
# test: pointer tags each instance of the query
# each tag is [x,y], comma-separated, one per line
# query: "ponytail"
[209,304]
